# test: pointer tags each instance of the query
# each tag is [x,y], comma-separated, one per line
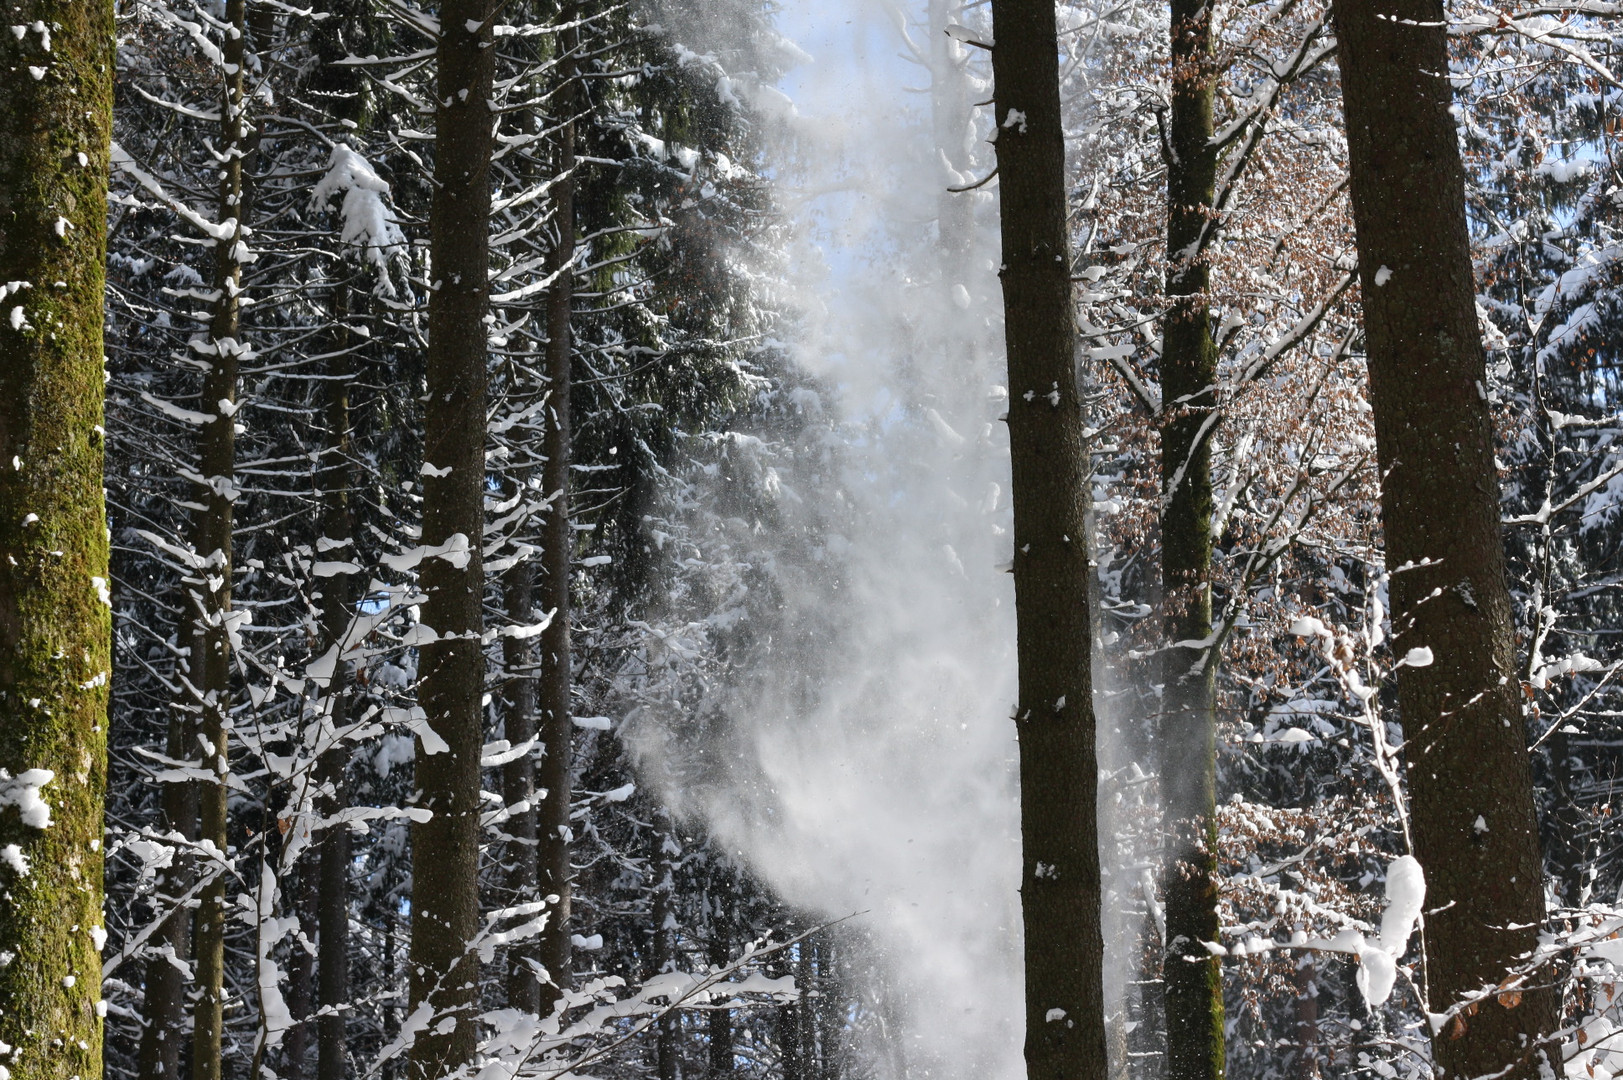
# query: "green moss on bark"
[55,120]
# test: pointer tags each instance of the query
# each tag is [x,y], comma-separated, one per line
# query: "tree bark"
[54,617]
[1060,889]
[557,550]
[1192,976]
[211,589]
[163,995]
[667,1045]
[338,611]
[1466,748]
[445,849]
[518,776]
[350,28]
[720,1021]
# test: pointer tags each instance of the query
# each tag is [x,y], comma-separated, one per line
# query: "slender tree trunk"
[301,973]
[557,550]
[164,992]
[1060,889]
[1470,785]
[720,1032]
[54,615]
[211,645]
[668,1063]
[1193,977]
[338,610]
[351,28]
[791,1052]
[445,849]
[518,776]
[1307,1018]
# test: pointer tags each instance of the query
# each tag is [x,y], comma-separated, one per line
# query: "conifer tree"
[1059,888]
[1193,978]
[1475,831]
[445,848]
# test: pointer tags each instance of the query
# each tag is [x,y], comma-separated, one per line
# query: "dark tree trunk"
[445,849]
[54,619]
[337,613]
[1306,1064]
[164,991]
[215,523]
[1064,949]
[351,28]
[720,1020]
[790,1050]
[557,550]
[301,972]
[668,1061]
[518,776]
[1193,977]
[1466,748]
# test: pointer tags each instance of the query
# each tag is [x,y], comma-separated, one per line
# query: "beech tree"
[1059,885]
[1469,781]
[56,68]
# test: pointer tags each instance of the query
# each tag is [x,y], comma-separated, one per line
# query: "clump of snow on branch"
[368,223]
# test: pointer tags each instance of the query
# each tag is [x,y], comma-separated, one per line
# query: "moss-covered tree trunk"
[1470,783]
[55,122]
[445,848]
[1064,947]
[1192,976]
[557,551]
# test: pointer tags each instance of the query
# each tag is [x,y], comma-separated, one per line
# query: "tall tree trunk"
[445,849]
[1060,889]
[54,614]
[337,613]
[518,775]
[1192,976]
[557,550]
[352,27]
[667,1058]
[302,888]
[720,1021]
[1470,786]
[1306,1064]
[164,992]
[211,644]
[791,1051]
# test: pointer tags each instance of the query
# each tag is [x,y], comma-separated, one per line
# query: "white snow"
[11,855]
[367,221]
[1405,897]
[23,793]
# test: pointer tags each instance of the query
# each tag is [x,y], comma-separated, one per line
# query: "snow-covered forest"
[811,539]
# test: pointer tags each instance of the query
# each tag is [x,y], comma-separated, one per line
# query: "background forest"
[653,429]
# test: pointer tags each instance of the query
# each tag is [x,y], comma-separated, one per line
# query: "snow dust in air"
[871,770]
